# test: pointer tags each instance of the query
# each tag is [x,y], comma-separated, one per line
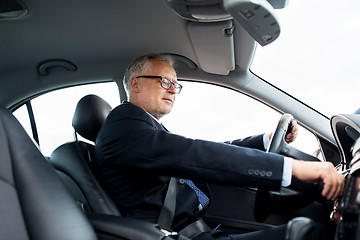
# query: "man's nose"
[172,89]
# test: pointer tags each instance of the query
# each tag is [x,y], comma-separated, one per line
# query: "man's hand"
[291,136]
[320,171]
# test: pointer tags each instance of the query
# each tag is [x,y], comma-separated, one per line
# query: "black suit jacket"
[136,157]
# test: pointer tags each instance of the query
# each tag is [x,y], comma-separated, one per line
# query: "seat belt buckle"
[168,233]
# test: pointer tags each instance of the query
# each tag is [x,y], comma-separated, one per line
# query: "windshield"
[315,59]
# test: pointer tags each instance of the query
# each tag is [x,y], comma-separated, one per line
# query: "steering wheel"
[297,195]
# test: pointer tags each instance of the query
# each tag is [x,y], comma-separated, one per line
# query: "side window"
[209,112]
[53,112]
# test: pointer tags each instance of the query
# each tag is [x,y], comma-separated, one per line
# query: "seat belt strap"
[168,209]
[194,229]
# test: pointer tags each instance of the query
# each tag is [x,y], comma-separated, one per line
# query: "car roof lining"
[119,38]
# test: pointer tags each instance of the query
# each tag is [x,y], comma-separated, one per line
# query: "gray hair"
[139,66]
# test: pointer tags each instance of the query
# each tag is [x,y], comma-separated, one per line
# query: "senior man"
[137,158]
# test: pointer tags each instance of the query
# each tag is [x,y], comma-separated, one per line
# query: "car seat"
[34,203]
[74,161]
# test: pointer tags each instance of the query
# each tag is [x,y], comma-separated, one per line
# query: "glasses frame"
[177,86]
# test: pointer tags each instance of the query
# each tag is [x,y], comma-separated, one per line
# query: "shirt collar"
[157,120]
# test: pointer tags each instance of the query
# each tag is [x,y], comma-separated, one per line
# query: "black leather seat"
[74,160]
[34,203]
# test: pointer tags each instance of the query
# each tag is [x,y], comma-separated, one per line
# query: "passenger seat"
[74,161]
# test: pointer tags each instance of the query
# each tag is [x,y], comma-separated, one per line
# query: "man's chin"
[164,113]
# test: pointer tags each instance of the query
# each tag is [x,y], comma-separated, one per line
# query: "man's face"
[151,96]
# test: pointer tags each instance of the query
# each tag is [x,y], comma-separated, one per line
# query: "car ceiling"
[102,37]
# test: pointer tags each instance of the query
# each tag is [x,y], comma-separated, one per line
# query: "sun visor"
[214,45]
[257,17]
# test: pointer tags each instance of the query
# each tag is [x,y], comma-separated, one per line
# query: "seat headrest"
[89,115]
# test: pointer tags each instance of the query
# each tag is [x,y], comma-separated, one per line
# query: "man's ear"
[134,84]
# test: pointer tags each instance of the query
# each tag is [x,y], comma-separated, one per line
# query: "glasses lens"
[165,83]
[177,87]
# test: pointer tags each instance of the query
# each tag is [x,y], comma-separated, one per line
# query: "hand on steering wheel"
[299,194]
[332,181]
[278,142]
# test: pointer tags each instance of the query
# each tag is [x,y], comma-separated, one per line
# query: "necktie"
[203,199]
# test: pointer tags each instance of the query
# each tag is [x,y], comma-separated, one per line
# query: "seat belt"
[168,209]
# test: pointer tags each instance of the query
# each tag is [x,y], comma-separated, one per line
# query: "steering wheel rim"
[277,141]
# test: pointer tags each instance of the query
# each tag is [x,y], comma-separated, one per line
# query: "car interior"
[51,45]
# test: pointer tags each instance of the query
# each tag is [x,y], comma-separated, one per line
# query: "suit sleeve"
[130,141]
[256,142]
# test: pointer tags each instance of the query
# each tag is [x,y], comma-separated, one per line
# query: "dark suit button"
[181,181]
[251,171]
[262,173]
[269,174]
[257,172]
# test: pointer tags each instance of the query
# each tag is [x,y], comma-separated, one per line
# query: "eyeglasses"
[165,82]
